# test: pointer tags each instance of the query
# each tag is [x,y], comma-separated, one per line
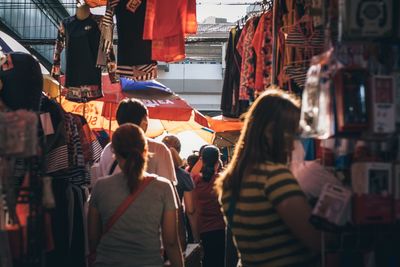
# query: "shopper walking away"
[160,161]
[210,219]
[184,187]
[127,210]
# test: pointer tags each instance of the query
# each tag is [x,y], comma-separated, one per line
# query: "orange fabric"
[96,3]
[149,19]
[191,18]
[169,49]
[166,24]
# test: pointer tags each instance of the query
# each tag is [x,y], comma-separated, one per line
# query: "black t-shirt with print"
[82,44]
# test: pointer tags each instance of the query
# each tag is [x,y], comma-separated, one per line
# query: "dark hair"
[191,161]
[131,110]
[272,118]
[129,142]
[210,156]
[201,149]
[22,83]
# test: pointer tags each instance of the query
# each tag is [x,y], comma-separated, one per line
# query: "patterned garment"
[81,38]
[246,50]
[134,53]
[315,40]
[262,237]
[297,73]
[138,73]
[262,43]
[57,159]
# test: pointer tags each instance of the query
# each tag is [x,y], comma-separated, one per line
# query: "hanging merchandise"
[18,133]
[230,103]
[300,41]
[262,44]
[383,104]
[352,89]
[80,37]
[332,207]
[317,109]
[360,19]
[317,7]
[246,51]
[134,53]
[166,24]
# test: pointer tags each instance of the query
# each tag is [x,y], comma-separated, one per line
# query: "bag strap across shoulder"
[127,202]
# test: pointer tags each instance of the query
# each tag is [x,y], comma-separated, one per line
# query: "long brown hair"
[271,119]
[129,142]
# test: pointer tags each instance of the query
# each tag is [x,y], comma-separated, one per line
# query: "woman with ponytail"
[211,224]
[127,210]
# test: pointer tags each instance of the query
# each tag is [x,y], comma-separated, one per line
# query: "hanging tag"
[8,65]
[132,5]
[47,124]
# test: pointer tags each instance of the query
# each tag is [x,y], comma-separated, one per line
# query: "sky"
[219,8]
[214,8]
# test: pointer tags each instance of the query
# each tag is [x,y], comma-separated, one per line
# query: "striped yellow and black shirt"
[262,238]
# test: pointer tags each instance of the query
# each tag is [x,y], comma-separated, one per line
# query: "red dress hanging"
[166,24]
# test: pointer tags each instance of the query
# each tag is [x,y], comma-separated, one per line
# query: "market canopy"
[173,114]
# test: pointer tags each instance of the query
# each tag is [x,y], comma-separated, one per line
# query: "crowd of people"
[150,203]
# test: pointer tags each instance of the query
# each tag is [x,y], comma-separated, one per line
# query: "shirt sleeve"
[188,183]
[59,47]
[165,167]
[281,185]
[105,161]
[170,201]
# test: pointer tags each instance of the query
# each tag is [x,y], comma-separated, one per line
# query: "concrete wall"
[199,84]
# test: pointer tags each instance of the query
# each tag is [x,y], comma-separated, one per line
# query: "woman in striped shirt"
[262,202]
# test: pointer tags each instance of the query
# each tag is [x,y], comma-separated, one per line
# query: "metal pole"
[275,40]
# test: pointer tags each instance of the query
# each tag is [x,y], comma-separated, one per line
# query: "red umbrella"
[173,115]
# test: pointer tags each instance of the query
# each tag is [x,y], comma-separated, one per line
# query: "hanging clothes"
[299,41]
[231,106]
[246,50]
[80,38]
[134,53]
[262,43]
[166,24]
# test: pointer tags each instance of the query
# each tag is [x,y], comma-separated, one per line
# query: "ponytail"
[207,172]
[129,143]
[210,157]
[134,168]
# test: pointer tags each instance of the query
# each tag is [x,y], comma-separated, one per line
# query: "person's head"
[172,141]
[174,145]
[191,161]
[130,148]
[268,134]
[131,110]
[201,149]
[210,158]
[21,81]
